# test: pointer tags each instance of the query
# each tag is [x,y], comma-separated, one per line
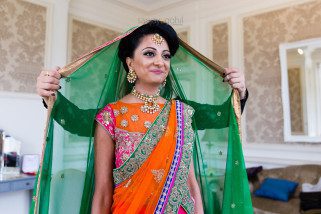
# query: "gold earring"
[131,76]
[164,83]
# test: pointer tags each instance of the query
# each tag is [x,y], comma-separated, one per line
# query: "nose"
[158,61]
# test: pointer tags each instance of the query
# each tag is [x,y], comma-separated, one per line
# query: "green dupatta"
[65,180]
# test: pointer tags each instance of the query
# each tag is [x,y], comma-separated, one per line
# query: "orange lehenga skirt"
[148,181]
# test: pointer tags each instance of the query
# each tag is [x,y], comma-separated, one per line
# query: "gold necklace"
[150,106]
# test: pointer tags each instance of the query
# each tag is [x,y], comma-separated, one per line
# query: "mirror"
[301,90]
[9,154]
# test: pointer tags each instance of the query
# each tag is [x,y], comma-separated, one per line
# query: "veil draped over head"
[65,180]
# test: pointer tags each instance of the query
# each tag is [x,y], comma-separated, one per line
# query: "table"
[10,183]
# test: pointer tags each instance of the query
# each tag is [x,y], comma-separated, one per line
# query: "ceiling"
[150,5]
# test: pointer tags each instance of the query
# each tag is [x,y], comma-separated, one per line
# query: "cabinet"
[10,183]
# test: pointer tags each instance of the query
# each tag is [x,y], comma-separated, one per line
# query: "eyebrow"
[154,49]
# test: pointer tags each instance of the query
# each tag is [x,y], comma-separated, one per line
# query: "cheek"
[167,67]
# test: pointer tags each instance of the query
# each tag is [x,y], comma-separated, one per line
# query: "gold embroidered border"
[237,109]
[145,147]
[35,198]
[73,66]
[217,68]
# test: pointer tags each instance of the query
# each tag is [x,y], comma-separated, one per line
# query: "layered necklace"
[150,106]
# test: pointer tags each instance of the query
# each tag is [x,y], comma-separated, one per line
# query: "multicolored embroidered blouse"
[126,125]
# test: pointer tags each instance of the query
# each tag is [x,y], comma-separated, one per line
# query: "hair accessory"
[131,76]
[157,39]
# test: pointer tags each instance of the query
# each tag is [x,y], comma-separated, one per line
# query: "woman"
[144,142]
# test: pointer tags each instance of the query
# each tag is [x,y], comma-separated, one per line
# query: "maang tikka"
[157,39]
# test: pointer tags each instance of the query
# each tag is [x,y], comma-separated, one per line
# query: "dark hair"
[129,43]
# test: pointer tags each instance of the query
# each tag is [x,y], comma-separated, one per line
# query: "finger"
[49,86]
[45,93]
[51,73]
[231,76]
[235,80]
[51,80]
[231,70]
[238,86]
[56,72]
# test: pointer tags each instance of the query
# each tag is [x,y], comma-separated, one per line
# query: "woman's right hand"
[48,83]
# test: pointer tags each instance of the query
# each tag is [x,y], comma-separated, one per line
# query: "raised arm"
[212,116]
[79,121]
[208,116]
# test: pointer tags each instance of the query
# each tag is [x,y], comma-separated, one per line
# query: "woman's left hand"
[236,79]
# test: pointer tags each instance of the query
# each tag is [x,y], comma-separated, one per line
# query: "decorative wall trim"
[277,155]
[221,50]
[19,95]
[288,136]
[209,37]
[184,30]
[86,21]
[106,12]
[265,118]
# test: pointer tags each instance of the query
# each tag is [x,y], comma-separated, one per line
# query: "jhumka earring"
[131,76]
[164,83]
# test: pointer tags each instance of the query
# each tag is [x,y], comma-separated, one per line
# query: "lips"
[157,71]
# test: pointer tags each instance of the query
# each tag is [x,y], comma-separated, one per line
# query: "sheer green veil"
[65,180]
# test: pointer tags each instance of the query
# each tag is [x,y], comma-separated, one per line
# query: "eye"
[167,56]
[149,53]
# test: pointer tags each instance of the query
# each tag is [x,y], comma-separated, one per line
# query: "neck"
[147,89]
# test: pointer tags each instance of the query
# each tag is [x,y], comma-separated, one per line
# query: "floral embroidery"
[147,124]
[126,143]
[170,179]
[107,119]
[180,194]
[158,174]
[134,117]
[123,109]
[116,112]
[144,149]
[124,123]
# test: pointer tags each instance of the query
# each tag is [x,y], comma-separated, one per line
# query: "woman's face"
[151,61]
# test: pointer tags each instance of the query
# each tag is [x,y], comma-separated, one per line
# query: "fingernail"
[53,94]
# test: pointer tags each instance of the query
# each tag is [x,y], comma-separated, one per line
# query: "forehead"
[147,41]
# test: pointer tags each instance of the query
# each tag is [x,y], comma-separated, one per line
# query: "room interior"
[277,43]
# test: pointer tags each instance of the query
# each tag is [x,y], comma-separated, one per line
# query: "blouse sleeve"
[106,118]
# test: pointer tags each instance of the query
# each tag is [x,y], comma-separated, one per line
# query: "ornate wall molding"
[22,45]
[262,35]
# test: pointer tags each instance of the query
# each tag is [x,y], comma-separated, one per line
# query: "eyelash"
[151,54]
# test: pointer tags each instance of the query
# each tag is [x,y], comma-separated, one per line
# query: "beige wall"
[220,40]
[262,35]
[183,35]
[86,37]
[22,45]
